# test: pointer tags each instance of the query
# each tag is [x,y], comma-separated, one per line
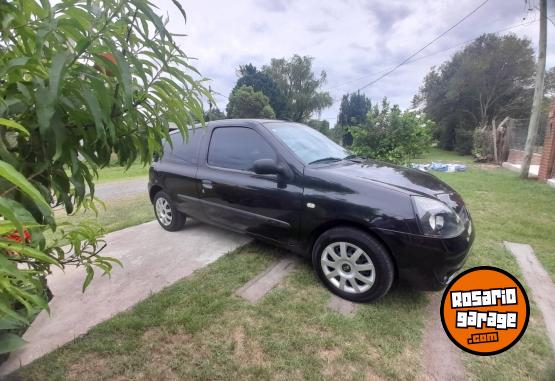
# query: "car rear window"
[238,148]
[184,150]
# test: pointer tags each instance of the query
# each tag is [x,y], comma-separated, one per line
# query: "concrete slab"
[342,306]
[441,357]
[532,172]
[551,182]
[538,280]
[153,259]
[260,285]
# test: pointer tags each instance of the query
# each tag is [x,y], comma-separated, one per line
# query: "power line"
[425,46]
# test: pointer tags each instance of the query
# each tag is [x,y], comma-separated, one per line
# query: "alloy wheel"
[347,267]
[164,211]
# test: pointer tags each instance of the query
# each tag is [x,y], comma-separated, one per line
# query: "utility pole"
[538,93]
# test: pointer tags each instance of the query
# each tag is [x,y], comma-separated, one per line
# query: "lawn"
[115,172]
[198,328]
[115,214]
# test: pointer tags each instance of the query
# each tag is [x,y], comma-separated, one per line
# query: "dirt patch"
[247,351]
[164,345]
[88,367]
[330,354]
[487,167]
[339,371]
[371,375]
[441,360]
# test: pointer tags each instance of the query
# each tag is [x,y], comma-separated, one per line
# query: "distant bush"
[392,135]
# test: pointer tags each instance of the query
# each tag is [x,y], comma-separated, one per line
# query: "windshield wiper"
[325,159]
[353,157]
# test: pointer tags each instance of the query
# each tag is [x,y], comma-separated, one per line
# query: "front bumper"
[428,263]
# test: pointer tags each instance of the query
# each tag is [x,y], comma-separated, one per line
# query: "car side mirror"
[267,167]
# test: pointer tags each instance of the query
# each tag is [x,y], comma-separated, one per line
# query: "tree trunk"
[538,93]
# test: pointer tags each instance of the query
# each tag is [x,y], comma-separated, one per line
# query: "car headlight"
[437,219]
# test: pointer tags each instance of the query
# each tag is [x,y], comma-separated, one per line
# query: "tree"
[260,81]
[538,94]
[549,86]
[392,135]
[80,81]
[353,109]
[491,78]
[214,114]
[299,86]
[244,102]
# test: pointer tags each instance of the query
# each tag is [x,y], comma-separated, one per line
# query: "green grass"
[438,155]
[118,213]
[115,172]
[198,329]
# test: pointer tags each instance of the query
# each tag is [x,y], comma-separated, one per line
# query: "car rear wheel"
[352,264]
[166,214]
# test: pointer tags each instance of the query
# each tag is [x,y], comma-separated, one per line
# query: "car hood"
[410,180]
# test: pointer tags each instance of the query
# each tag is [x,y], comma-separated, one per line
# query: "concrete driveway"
[153,259]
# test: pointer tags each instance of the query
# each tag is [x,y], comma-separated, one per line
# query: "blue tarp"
[439,167]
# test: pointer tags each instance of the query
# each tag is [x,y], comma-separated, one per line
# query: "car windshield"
[307,143]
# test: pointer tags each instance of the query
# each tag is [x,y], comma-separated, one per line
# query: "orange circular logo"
[485,310]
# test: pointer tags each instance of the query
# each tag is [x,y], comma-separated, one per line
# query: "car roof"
[229,123]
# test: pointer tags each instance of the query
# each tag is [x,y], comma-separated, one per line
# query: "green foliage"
[490,78]
[482,144]
[261,81]
[465,141]
[214,114]
[392,135]
[79,81]
[353,109]
[299,86]
[244,102]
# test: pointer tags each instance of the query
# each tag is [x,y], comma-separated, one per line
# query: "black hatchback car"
[363,223]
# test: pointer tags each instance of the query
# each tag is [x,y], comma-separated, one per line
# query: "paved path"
[153,259]
[543,289]
[441,357]
[342,306]
[121,188]
[260,285]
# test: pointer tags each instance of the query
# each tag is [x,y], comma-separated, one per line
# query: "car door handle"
[207,184]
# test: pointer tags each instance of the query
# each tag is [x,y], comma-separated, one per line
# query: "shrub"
[392,135]
[244,102]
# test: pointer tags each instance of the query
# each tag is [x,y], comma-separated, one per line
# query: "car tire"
[167,215]
[352,264]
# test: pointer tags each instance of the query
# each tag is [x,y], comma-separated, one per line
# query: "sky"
[353,41]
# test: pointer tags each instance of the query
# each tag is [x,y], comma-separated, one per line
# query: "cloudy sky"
[354,41]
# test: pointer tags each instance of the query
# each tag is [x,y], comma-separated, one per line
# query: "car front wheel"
[166,214]
[352,264]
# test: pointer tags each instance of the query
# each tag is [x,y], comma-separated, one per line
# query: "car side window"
[185,150]
[237,148]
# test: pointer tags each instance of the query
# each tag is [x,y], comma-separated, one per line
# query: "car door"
[178,168]
[234,196]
